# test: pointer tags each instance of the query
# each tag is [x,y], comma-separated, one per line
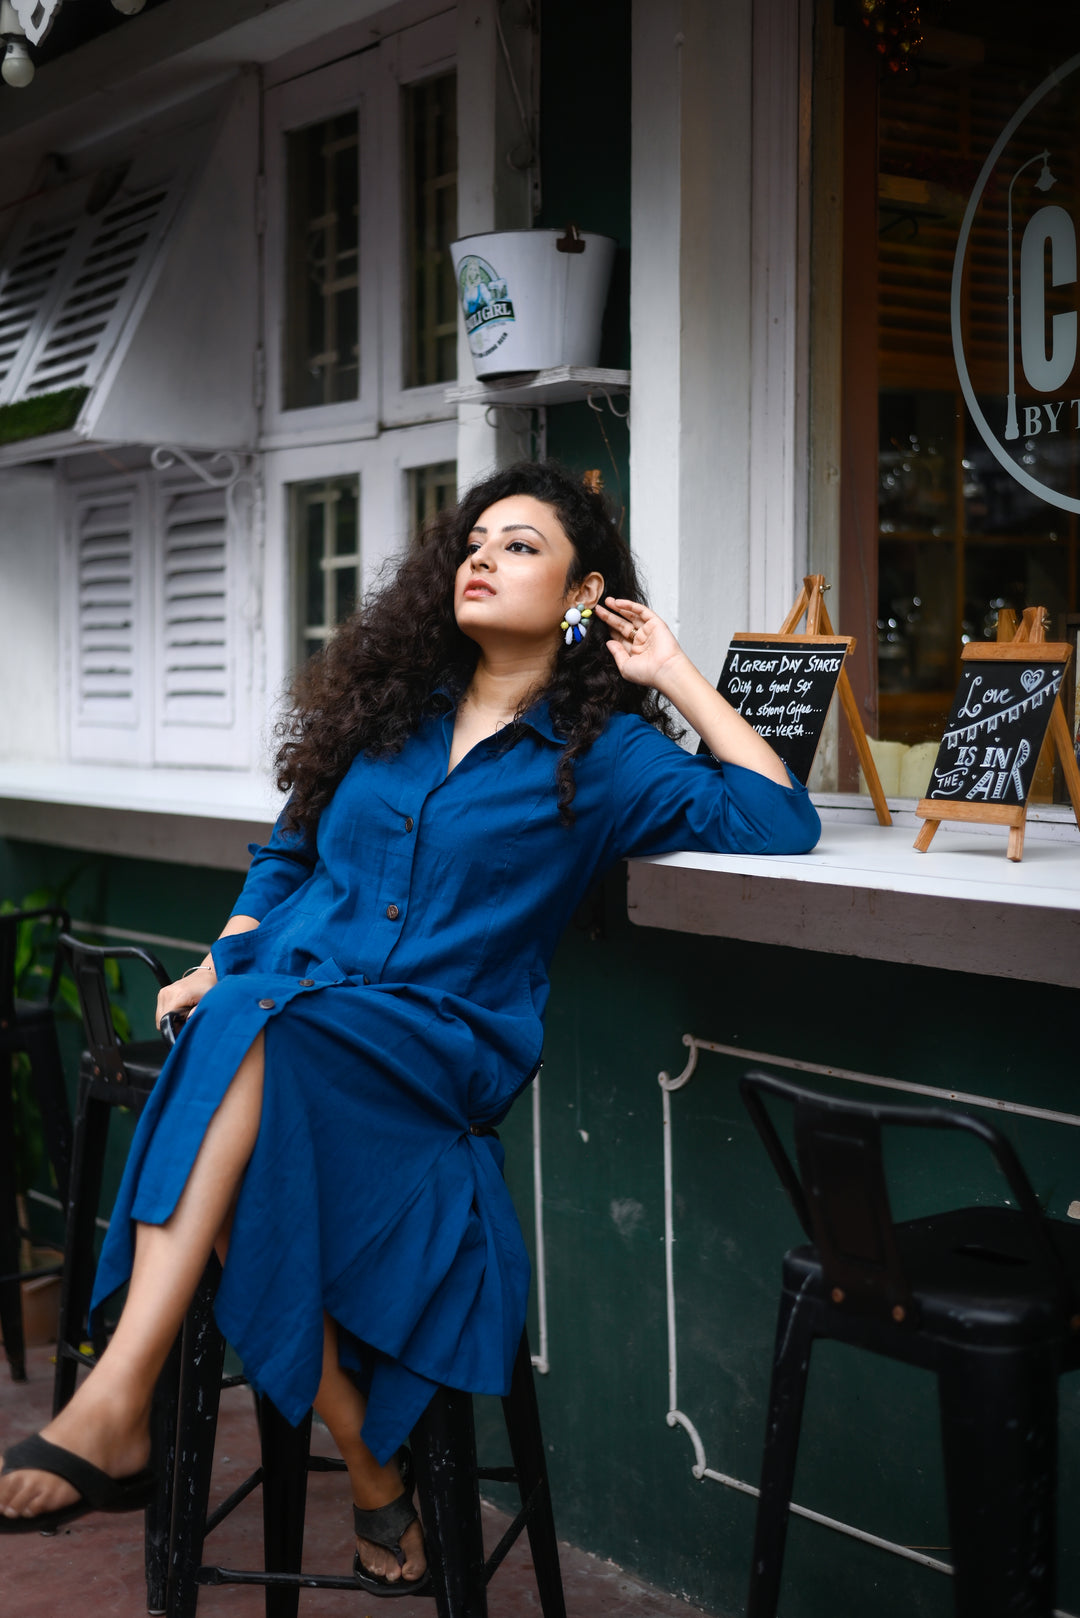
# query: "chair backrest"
[841,1196]
[10,921]
[87,964]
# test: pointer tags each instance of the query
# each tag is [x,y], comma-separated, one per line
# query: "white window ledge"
[189,817]
[962,906]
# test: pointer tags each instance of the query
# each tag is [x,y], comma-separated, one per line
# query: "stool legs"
[10,1293]
[163,1460]
[791,1365]
[202,1358]
[444,1458]
[35,1036]
[284,1498]
[999,1431]
[530,1463]
[84,1194]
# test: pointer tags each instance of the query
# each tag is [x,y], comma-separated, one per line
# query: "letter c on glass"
[1051,224]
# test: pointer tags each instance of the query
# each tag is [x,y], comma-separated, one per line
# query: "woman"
[468,755]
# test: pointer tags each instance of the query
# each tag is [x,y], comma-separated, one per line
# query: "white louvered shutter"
[197,628]
[109,565]
[102,277]
[29,282]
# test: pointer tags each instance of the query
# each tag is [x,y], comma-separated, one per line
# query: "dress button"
[307,983]
[392,912]
[267,1005]
[408,822]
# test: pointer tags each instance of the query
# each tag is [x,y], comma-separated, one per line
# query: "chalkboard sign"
[783,685]
[998,723]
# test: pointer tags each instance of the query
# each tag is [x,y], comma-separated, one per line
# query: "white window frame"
[185,735]
[382,465]
[151,737]
[90,741]
[344,87]
[407,58]
[370,82]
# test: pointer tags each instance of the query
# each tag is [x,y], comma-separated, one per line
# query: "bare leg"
[107,1422]
[341,1405]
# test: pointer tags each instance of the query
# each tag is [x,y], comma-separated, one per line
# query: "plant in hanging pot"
[532,299]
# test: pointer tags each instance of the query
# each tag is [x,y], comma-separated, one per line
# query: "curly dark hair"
[370,687]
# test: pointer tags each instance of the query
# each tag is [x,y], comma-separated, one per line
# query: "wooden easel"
[933,811]
[811,601]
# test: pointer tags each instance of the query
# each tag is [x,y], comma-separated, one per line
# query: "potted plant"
[532,299]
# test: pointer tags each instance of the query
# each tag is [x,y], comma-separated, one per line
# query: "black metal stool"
[988,1298]
[111,1074]
[447,1476]
[30,1027]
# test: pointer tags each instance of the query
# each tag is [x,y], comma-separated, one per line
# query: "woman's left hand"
[641,643]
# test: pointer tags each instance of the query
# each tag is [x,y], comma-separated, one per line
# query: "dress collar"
[538,717]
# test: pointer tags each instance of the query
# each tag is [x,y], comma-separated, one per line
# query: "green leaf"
[69,995]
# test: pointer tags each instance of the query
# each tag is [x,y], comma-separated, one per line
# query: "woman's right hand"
[185,993]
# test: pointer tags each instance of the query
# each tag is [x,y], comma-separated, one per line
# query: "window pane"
[324,525]
[431,222]
[959,535]
[431,489]
[322,353]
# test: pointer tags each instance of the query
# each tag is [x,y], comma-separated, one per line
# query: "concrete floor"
[94,1568]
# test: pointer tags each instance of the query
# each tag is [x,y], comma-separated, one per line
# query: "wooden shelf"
[562,384]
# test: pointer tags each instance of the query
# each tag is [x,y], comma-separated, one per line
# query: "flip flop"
[385,1527]
[99,1492]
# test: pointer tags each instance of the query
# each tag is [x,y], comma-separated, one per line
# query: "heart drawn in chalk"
[1030,678]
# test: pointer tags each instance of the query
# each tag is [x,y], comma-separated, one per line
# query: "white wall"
[716,337]
[30,652]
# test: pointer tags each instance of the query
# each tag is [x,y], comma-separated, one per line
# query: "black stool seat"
[988,1298]
[984,1256]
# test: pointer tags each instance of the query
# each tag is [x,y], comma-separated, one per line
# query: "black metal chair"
[30,1027]
[447,1477]
[111,1074]
[988,1298]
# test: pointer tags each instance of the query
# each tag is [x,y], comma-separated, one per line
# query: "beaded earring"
[575,624]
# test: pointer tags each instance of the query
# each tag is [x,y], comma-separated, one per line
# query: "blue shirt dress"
[400,971]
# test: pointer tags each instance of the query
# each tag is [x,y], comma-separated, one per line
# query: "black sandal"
[98,1490]
[385,1527]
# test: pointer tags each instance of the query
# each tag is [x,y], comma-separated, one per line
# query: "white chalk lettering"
[997,758]
[972,709]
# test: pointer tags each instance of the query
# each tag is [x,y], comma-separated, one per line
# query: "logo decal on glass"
[486,305]
[1046,235]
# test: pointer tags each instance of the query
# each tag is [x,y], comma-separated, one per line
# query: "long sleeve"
[277,870]
[667,799]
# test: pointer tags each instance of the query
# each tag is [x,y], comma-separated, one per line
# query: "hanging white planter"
[532,299]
